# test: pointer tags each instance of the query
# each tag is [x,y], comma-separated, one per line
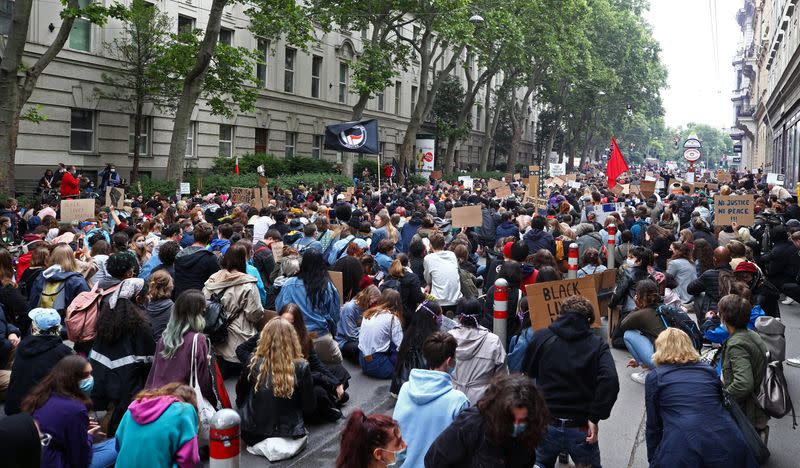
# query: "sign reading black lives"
[353,137]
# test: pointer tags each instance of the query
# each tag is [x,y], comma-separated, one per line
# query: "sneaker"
[794,362]
[639,377]
[787,301]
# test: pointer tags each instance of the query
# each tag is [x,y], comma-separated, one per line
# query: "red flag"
[237,164]
[616,165]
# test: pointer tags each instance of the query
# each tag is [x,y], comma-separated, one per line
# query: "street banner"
[733,209]
[426,154]
[77,210]
[558,169]
[467,216]
[545,299]
[353,137]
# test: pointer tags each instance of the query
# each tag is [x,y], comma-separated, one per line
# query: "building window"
[262,140]
[226,140]
[185,24]
[80,37]
[226,36]
[413,98]
[364,33]
[81,132]
[144,137]
[191,138]
[291,143]
[6,7]
[316,147]
[479,117]
[263,59]
[343,79]
[397,94]
[316,73]
[288,74]
[380,96]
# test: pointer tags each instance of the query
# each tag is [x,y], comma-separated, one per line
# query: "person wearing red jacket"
[70,184]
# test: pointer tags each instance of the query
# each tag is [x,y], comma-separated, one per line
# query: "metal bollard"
[500,309]
[225,439]
[573,261]
[612,241]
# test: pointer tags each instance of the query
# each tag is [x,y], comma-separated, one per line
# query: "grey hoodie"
[479,357]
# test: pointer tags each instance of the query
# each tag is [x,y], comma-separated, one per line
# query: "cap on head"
[746,267]
[45,319]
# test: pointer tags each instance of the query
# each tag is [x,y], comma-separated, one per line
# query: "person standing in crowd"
[60,405]
[238,294]
[194,265]
[441,274]
[575,371]
[715,439]
[35,356]
[428,403]
[380,336]
[480,354]
[165,421]
[503,430]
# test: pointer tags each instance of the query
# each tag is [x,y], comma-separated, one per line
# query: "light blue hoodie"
[426,405]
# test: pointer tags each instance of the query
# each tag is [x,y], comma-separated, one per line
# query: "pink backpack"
[82,314]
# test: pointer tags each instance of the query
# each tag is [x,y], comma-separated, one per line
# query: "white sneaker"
[640,377]
[794,362]
[787,301]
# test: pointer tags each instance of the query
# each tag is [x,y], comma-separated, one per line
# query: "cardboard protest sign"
[467,216]
[545,299]
[277,251]
[558,169]
[571,176]
[733,209]
[338,282]
[115,196]
[494,183]
[601,211]
[533,168]
[775,179]
[634,189]
[557,181]
[574,184]
[723,176]
[626,189]
[241,195]
[647,188]
[467,181]
[533,186]
[502,192]
[260,197]
[650,177]
[660,184]
[706,187]
[186,188]
[690,177]
[617,190]
[437,175]
[77,210]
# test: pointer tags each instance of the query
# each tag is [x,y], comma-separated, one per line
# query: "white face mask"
[630,262]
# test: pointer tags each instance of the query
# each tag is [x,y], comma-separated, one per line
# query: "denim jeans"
[571,440]
[381,365]
[640,347]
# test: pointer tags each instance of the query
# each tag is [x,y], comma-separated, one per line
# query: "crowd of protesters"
[177,295]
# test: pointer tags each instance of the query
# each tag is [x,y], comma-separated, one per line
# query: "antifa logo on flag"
[354,137]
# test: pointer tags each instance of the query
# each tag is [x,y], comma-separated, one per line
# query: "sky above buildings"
[699,39]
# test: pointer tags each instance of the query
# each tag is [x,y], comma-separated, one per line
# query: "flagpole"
[379,171]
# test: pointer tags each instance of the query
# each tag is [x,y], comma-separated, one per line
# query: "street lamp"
[476,19]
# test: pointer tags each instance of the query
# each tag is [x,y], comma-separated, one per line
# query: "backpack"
[331,258]
[773,395]
[217,319]
[771,330]
[82,313]
[685,209]
[391,283]
[675,318]
[50,293]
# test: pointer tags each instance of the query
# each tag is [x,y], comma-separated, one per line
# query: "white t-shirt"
[441,272]
[260,228]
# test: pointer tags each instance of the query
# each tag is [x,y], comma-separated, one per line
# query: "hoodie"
[193,266]
[219,245]
[479,356]
[72,285]
[166,426]
[536,239]
[425,406]
[159,312]
[36,356]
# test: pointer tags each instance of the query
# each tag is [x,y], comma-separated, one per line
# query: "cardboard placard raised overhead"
[186,188]
[558,169]
[436,175]
[571,176]
[723,176]
[557,181]
[466,181]
[733,209]
[533,168]
[494,183]
[602,211]
[502,192]
[617,190]
[533,186]
[260,197]
[77,210]
[338,281]
[467,216]
[545,299]
[241,195]
[115,196]
[776,179]
[647,188]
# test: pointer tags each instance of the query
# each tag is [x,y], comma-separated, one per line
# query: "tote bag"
[205,410]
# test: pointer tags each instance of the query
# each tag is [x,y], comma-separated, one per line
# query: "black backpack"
[676,318]
[685,209]
[217,319]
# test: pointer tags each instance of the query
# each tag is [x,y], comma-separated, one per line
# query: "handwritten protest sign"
[467,216]
[467,181]
[502,192]
[558,169]
[776,179]
[533,168]
[647,188]
[338,281]
[617,190]
[494,183]
[733,209]
[545,299]
[571,176]
[723,176]
[186,188]
[241,195]
[557,181]
[77,210]
[260,197]
[114,196]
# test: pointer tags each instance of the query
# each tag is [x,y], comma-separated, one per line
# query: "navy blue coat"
[687,426]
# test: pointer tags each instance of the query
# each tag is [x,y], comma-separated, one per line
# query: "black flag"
[353,137]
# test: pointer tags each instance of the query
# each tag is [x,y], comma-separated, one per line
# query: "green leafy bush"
[418,179]
[150,186]
[273,165]
[358,167]
[300,164]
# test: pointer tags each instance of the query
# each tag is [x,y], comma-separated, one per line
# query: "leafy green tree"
[15,90]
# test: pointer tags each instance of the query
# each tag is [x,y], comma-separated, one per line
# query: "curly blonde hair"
[272,364]
[673,346]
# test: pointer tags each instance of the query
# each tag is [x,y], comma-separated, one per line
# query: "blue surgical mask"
[519,428]
[86,385]
[399,458]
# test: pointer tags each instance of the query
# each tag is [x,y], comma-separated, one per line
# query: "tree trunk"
[192,86]
[15,92]
[492,119]
[137,138]
[517,118]
[449,155]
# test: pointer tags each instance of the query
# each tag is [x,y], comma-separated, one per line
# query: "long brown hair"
[64,379]
[390,302]
[361,436]
[299,324]
[6,268]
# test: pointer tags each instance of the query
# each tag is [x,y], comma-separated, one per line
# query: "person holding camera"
[109,177]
